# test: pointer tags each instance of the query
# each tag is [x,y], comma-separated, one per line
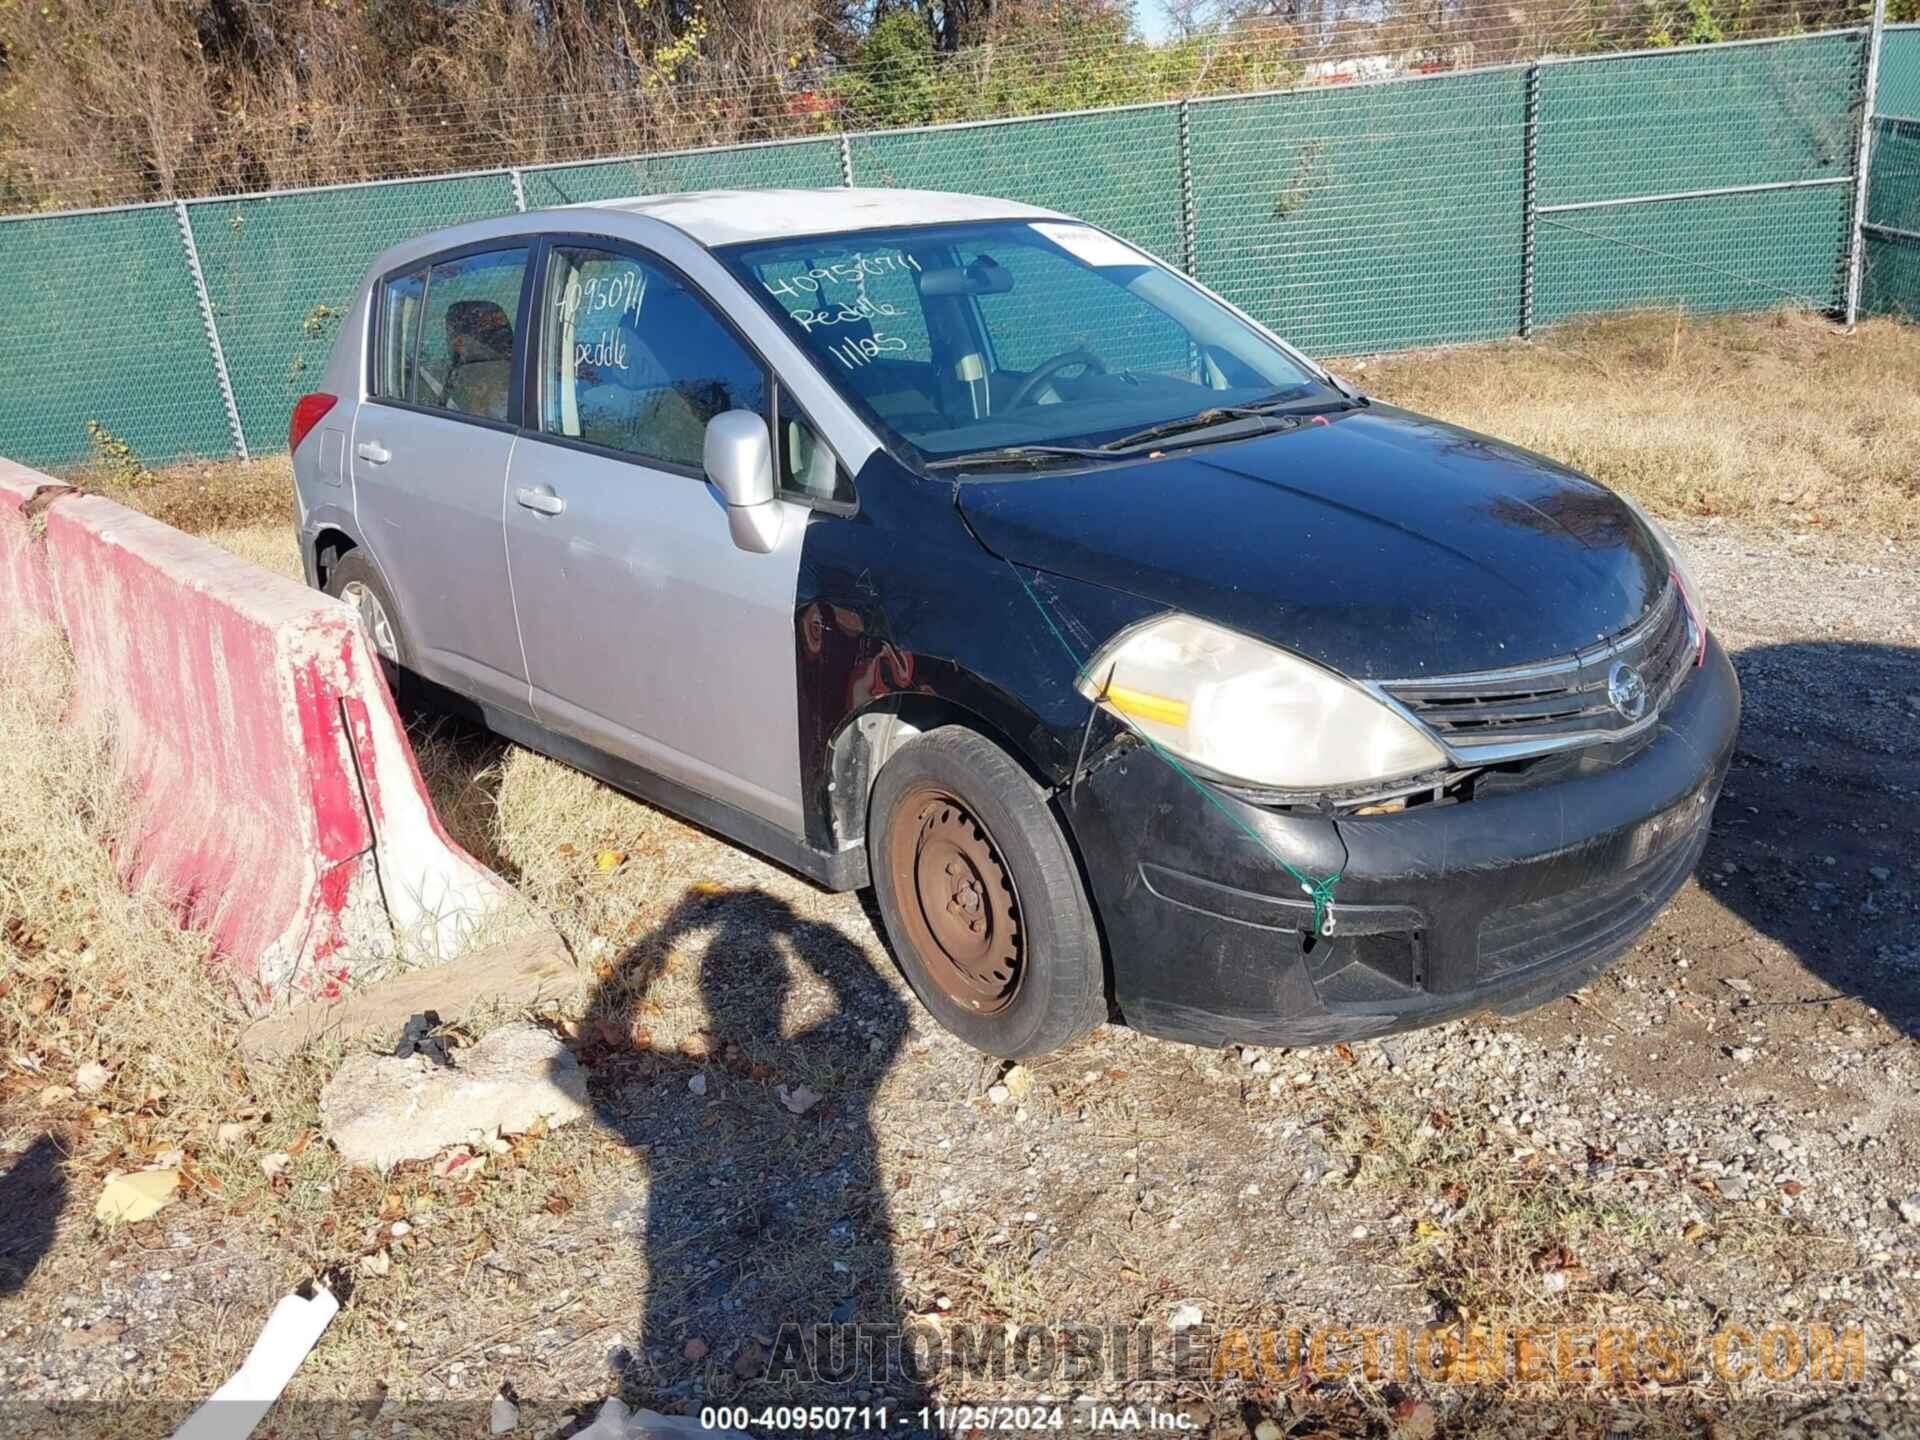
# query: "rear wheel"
[354,580]
[982,898]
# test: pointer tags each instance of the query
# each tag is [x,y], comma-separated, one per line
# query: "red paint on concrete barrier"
[25,597]
[276,798]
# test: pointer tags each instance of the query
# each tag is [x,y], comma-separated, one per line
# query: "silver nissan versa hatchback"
[957,547]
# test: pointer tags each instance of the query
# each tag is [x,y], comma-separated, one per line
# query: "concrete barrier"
[275,794]
[25,597]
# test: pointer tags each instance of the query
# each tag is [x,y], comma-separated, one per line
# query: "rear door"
[648,634]
[430,455]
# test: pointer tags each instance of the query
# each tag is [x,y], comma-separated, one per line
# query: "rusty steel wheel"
[981,896]
[962,913]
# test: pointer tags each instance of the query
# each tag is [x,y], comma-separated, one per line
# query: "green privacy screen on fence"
[98,321]
[1366,218]
[1119,169]
[1426,209]
[280,270]
[1708,119]
[1891,272]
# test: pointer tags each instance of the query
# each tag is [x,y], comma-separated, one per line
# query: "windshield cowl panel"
[963,339]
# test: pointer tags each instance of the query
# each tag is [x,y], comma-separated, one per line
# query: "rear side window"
[399,334]
[635,361]
[465,351]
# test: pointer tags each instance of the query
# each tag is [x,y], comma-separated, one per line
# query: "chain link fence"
[1352,214]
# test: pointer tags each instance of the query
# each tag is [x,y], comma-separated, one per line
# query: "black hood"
[1382,544]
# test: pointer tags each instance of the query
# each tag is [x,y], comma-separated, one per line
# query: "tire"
[1011,961]
[354,580]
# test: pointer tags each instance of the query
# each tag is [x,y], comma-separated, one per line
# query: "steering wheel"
[1047,369]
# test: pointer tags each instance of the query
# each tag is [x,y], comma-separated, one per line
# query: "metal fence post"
[1529,198]
[213,331]
[1189,226]
[846,160]
[1863,161]
[519,188]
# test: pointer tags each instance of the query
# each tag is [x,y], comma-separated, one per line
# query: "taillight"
[308,411]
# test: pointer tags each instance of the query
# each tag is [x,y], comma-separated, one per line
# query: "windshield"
[953,339]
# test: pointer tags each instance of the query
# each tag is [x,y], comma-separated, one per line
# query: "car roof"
[725,217]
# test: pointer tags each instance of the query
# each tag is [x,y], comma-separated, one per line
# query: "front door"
[647,633]
[430,454]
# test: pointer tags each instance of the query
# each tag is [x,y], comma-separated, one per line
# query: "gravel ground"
[1721,1131]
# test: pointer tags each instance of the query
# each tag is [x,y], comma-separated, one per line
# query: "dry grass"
[1777,419]
[201,497]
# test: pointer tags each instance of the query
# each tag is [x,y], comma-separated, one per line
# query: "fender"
[920,621]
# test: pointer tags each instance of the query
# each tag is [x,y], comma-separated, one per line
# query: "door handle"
[373,452]
[540,499]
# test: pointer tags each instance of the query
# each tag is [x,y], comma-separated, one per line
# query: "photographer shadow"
[763,1217]
[1814,841]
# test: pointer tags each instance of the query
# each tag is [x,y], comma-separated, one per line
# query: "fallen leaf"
[299,1146]
[275,1165]
[378,1263]
[798,1100]
[1018,1080]
[1345,1052]
[229,1134]
[558,1204]
[460,1164]
[129,1199]
[567,850]
[55,1095]
[708,887]
[610,859]
[91,1078]
[750,1361]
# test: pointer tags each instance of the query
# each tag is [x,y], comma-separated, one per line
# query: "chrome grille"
[1556,702]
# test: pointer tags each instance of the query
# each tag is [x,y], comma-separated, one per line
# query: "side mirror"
[739,461]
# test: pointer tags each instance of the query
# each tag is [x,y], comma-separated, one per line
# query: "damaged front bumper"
[1505,901]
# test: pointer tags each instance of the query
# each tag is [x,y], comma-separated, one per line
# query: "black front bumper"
[1506,901]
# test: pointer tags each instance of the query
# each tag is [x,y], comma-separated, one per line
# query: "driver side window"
[633,360]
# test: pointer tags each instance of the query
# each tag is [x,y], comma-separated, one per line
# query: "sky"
[1152,18]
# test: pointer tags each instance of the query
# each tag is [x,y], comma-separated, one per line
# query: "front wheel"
[982,898]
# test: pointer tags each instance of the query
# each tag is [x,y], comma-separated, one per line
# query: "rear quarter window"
[400,305]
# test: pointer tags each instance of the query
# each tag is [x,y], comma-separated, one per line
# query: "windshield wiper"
[1017,454]
[1205,420]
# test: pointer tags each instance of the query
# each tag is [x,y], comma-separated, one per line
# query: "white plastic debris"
[291,1332]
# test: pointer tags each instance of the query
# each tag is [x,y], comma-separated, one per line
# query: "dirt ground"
[1721,1133]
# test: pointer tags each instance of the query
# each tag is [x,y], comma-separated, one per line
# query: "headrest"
[479,330]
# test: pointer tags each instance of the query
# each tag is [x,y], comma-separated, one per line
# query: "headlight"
[1245,711]
[1690,592]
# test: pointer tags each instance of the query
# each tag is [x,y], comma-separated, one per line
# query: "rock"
[1776,1142]
[1185,1316]
[129,1199]
[1732,1187]
[379,1110]
[998,1094]
[1880,872]
[798,1100]
[1910,1209]
[502,1416]
[697,1083]
[695,1350]
[1742,1054]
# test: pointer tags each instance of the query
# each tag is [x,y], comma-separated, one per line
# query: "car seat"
[480,340]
